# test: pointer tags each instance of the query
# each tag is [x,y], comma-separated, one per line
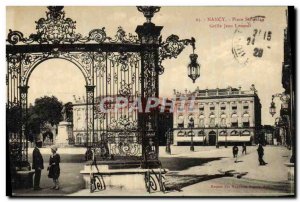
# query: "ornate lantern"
[272,108]
[193,67]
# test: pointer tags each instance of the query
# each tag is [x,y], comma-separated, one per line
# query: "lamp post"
[192,140]
[191,126]
[217,137]
[225,138]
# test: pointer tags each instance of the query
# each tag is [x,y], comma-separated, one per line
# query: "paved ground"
[191,173]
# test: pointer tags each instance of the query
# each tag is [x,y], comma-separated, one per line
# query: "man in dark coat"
[235,151]
[38,166]
[260,152]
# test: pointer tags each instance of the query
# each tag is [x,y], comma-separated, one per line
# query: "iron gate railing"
[125,66]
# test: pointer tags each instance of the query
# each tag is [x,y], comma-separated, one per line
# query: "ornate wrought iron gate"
[122,66]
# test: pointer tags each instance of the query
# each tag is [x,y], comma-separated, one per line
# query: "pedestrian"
[260,152]
[54,169]
[235,151]
[244,149]
[37,165]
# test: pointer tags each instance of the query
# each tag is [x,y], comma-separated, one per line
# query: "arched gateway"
[123,65]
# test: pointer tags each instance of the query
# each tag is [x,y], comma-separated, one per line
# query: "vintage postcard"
[150,101]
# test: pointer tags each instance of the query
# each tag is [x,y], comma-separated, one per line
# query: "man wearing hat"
[38,166]
[54,169]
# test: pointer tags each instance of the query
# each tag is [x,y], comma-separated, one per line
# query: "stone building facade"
[216,116]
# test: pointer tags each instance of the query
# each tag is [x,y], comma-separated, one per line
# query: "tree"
[48,109]
[45,110]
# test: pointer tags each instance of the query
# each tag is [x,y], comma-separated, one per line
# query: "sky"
[214,45]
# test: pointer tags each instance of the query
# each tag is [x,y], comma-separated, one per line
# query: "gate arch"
[40,61]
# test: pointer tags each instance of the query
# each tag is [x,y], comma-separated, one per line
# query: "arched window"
[234,133]
[223,133]
[180,134]
[201,133]
[190,133]
[246,133]
[234,120]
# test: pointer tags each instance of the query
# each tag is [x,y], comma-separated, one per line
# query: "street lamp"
[192,140]
[193,67]
[191,126]
[285,102]
[226,139]
[272,108]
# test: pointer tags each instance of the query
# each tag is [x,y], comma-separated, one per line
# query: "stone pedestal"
[126,179]
[63,134]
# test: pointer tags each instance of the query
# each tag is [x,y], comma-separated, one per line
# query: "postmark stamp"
[250,44]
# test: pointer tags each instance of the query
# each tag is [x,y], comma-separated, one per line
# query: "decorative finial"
[148,11]
[55,11]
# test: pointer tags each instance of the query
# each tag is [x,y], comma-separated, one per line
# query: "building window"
[78,139]
[223,133]
[180,121]
[245,107]
[245,120]
[191,122]
[201,108]
[246,133]
[223,106]
[212,121]
[180,134]
[191,133]
[201,121]
[223,122]
[201,133]
[246,124]
[234,133]
[234,107]
[234,120]
[212,108]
